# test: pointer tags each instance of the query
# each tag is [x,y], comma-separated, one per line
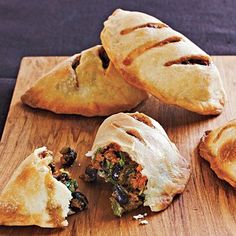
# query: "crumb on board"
[143,222]
[139,216]
[89,154]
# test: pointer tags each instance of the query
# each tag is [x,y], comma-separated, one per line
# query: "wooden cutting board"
[208,205]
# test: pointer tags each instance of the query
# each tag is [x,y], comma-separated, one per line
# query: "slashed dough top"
[154,57]
[33,196]
[167,171]
[86,84]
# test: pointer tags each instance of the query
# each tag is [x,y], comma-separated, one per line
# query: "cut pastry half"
[218,147]
[34,197]
[163,62]
[86,84]
[133,153]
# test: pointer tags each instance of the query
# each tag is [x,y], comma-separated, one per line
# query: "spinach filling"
[117,168]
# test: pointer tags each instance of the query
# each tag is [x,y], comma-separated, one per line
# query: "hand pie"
[34,197]
[218,147]
[133,153]
[85,84]
[163,62]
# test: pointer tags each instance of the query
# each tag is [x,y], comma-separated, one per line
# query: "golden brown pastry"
[218,147]
[133,152]
[86,84]
[33,196]
[163,62]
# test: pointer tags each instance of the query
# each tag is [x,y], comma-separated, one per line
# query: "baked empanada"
[133,152]
[218,147]
[33,196]
[86,84]
[163,62]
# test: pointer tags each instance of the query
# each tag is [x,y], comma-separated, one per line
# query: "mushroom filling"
[124,174]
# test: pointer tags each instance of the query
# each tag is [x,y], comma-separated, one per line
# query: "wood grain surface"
[208,205]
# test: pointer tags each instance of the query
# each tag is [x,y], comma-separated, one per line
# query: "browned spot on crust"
[151,44]
[190,60]
[142,118]
[54,210]
[227,151]
[222,130]
[147,25]
[8,212]
[25,175]
[135,134]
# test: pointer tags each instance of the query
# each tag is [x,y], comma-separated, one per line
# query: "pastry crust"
[218,147]
[163,62]
[33,196]
[147,144]
[85,84]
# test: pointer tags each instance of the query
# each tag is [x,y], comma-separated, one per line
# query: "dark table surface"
[59,27]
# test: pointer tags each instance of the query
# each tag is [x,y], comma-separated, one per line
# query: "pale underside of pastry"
[148,145]
[33,196]
[218,147]
[86,84]
[163,62]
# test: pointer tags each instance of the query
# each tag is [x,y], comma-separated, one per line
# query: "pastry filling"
[79,201]
[117,168]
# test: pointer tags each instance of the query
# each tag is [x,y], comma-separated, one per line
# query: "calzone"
[154,57]
[218,147]
[33,196]
[133,152]
[86,84]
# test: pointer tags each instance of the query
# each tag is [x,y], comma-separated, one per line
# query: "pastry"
[133,152]
[163,62]
[85,84]
[34,197]
[218,147]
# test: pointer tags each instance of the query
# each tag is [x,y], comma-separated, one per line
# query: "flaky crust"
[163,62]
[218,147]
[81,85]
[147,144]
[33,196]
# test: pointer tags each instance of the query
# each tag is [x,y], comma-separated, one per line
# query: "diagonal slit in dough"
[190,60]
[74,65]
[132,132]
[142,118]
[76,62]
[149,45]
[147,25]
[104,58]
